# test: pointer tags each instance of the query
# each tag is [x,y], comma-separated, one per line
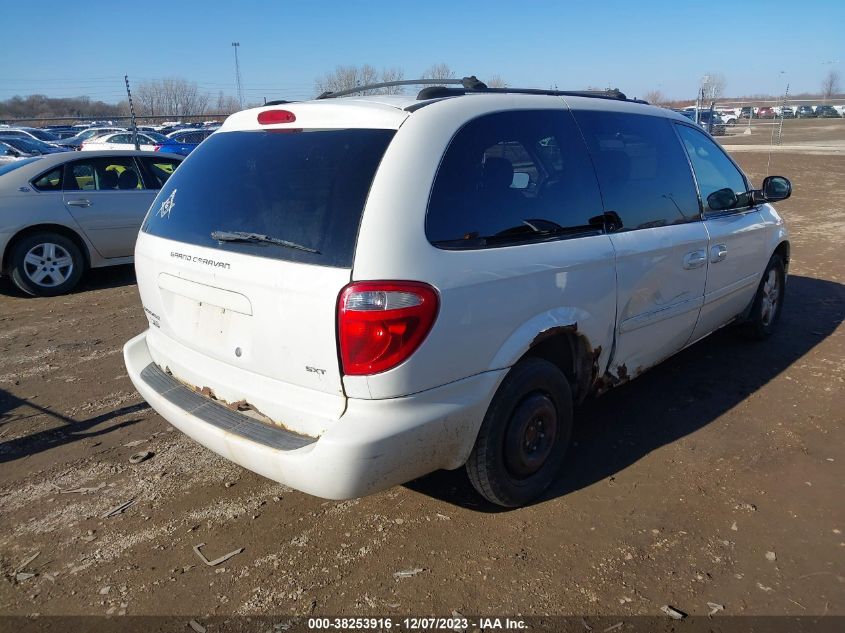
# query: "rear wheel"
[768,302]
[524,435]
[46,264]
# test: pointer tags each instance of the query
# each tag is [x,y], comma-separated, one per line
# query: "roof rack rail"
[466,82]
[438,89]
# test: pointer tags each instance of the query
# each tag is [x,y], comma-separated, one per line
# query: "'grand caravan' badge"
[167,206]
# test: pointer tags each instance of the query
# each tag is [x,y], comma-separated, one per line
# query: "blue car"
[183,142]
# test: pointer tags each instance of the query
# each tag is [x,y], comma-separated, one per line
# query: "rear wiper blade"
[243,236]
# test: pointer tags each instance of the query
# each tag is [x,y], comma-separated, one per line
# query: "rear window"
[307,188]
[5,169]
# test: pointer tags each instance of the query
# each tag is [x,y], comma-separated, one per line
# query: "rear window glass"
[307,188]
[5,169]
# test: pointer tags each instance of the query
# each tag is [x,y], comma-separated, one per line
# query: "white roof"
[389,111]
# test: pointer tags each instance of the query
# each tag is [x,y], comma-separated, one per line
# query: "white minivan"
[348,293]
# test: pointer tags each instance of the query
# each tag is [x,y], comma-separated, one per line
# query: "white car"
[729,115]
[63,213]
[347,294]
[123,140]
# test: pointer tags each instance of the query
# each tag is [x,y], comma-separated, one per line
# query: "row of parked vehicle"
[23,142]
[717,121]
[732,115]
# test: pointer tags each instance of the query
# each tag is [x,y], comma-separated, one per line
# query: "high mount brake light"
[380,324]
[269,117]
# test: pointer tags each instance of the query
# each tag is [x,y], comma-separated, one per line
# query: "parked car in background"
[123,140]
[30,132]
[548,247]
[785,112]
[805,112]
[75,142]
[746,112]
[183,142]
[716,126]
[63,213]
[729,115]
[766,112]
[61,131]
[31,146]
[826,112]
[9,154]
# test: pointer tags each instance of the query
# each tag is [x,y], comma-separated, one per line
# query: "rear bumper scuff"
[374,445]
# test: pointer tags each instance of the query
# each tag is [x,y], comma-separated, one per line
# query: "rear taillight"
[381,323]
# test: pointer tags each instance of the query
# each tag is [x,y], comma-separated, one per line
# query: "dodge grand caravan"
[347,294]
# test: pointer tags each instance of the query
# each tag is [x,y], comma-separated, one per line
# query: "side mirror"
[722,199]
[520,180]
[776,188]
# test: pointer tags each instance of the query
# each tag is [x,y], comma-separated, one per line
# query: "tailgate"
[241,260]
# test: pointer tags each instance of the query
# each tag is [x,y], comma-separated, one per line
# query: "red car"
[766,113]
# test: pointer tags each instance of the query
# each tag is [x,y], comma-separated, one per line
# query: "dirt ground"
[715,477]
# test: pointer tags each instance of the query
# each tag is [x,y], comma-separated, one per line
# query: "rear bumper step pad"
[219,415]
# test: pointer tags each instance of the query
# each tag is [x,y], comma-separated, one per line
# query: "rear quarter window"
[514,177]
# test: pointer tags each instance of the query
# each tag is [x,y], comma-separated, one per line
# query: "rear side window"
[307,188]
[158,170]
[512,177]
[51,181]
[644,175]
[102,174]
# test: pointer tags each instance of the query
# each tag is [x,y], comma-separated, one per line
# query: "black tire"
[766,310]
[46,264]
[524,435]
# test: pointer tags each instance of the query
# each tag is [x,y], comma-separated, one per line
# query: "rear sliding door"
[652,207]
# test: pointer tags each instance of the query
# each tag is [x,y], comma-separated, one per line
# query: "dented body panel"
[659,298]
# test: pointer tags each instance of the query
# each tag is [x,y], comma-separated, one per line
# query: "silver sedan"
[63,213]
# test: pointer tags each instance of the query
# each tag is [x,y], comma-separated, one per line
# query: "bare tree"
[830,84]
[654,97]
[345,78]
[496,81]
[226,104]
[392,74]
[439,71]
[349,77]
[170,97]
[713,86]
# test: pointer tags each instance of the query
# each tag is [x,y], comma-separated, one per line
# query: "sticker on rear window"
[167,206]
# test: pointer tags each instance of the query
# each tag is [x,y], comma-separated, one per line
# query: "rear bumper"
[374,445]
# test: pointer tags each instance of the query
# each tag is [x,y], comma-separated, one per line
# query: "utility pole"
[236,46]
[132,113]
[782,106]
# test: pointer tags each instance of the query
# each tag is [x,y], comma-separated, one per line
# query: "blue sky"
[72,48]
